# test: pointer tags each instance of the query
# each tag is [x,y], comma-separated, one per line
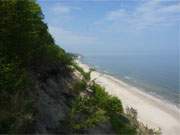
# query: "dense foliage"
[28,54]
[26,49]
[95,106]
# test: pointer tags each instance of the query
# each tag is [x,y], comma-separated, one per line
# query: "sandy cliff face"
[54,98]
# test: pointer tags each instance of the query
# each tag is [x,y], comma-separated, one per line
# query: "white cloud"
[63,9]
[149,13]
[67,37]
[117,14]
[63,36]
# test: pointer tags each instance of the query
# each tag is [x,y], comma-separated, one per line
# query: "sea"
[155,74]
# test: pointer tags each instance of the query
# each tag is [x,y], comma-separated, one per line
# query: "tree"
[26,49]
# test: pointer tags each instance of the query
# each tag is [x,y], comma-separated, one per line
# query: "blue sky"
[114,26]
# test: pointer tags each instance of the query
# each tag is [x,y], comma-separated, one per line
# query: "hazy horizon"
[90,67]
[112,34]
[114,27]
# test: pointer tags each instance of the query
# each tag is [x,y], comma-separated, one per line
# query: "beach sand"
[153,112]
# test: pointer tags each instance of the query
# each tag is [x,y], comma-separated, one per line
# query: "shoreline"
[130,83]
[153,112]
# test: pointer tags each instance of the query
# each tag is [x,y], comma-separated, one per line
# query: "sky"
[113,27]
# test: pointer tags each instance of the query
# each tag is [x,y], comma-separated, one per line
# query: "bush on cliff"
[27,50]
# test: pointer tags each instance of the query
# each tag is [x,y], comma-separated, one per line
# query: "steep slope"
[36,77]
[29,58]
[42,88]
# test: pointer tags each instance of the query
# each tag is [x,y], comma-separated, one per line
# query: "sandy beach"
[152,111]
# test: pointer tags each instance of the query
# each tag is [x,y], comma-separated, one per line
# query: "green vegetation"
[95,106]
[86,75]
[114,110]
[79,86]
[98,107]
[26,50]
[29,55]
[85,113]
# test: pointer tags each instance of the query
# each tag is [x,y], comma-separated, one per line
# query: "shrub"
[109,103]
[27,51]
[80,86]
[94,109]
[122,125]
[85,114]
[57,54]
[15,102]
[114,106]
[11,78]
[86,75]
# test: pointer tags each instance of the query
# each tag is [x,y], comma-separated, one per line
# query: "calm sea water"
[156,74]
